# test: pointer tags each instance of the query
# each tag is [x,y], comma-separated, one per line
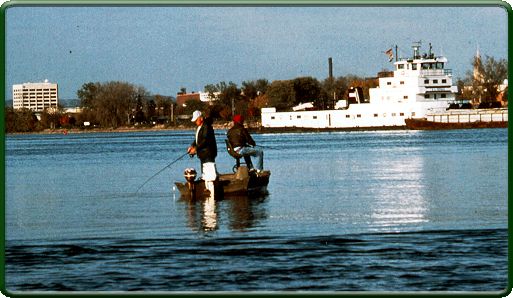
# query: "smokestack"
[330,63]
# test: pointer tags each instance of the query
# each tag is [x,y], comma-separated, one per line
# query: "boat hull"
[423,124]
[237,184]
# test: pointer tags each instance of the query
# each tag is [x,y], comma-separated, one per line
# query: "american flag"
[390,55]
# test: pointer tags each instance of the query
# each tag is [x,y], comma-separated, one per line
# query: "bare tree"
[485,79]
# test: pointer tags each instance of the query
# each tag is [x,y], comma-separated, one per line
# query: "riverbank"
[253,128]
[217,126]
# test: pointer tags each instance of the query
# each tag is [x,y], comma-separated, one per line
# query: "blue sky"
[168,47]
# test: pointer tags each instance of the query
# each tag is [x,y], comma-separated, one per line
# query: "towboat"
[418,86]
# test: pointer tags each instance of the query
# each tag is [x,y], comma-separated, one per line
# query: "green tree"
[332,90]
[249,89]
[229,93]
[261,86]
[193,105]
[109,104]
[87,94]
[306,89]
[211,90]
[50,118]
[20,120]
[281,94]
[252,89]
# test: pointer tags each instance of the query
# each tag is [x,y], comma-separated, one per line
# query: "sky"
[166,48]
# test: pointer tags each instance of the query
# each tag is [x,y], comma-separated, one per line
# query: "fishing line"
[270,147]
[170,164]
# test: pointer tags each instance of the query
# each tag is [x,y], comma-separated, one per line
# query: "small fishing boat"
[242,182]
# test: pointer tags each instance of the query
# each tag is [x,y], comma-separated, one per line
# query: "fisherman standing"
[243,143]
[205,147]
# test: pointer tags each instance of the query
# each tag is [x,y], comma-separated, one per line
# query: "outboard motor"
[190,176]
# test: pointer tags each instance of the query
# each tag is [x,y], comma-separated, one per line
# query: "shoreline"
[216,126]
[253,128]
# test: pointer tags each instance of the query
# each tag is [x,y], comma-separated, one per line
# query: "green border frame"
[242,3]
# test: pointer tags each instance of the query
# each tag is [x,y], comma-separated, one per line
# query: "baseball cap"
[196,115]
[238,118]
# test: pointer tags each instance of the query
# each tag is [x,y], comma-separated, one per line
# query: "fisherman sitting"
[243,143]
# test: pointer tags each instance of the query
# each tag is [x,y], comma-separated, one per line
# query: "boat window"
[435,81]
[314,117]
[358,116]
[272,117]
[298,116]
[443,95]
[375,115]
[401,114]
[405,97]
[414,66]
[401,82]
[389,83]
[400,66]
[439,65]
[444,81]
[426,95]
[426,81]
[348,116]
[425,65]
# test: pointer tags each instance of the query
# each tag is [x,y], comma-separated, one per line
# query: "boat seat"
[237,157]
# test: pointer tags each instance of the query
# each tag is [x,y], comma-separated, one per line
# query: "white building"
[205,96]
[35,96]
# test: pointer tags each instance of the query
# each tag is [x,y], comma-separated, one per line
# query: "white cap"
[196,115]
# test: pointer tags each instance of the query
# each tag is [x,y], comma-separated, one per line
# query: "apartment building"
[35,96]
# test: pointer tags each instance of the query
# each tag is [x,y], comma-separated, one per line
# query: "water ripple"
[453,260]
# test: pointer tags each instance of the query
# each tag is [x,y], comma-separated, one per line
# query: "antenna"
[416,49]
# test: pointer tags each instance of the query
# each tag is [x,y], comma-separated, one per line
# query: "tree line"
[116,104]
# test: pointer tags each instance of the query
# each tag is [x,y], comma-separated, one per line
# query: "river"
[371,211]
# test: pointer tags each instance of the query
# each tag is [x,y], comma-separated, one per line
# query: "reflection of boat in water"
[240,213]
[242,182]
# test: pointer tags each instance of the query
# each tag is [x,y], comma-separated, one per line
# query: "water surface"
[346,211]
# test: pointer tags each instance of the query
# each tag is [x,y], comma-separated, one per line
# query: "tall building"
[35,96]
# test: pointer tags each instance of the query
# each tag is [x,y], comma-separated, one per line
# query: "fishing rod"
[170,164]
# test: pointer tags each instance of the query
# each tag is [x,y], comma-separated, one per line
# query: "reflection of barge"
[419,86]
